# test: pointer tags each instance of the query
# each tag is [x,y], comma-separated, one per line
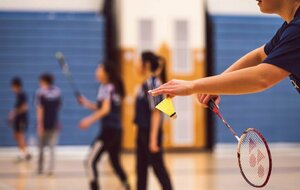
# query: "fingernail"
[150,91]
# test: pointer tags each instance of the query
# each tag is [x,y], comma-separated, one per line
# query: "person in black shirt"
[108,111]
[149,121]
[19,118]
[258,70]
[48,103]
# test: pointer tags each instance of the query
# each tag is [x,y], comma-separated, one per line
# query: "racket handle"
[212,106]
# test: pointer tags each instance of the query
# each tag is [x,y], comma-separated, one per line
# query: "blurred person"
[18,118]
[150,122]
[48,103]
[258,70]
[108,111]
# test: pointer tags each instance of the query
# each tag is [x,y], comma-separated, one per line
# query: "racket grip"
[212,106]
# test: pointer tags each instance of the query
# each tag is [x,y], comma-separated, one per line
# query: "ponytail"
[157,64]
[162,70]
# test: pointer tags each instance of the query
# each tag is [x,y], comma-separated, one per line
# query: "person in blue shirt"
[258,70]
[108,111]
[18,118]
[48,103]
[149,121]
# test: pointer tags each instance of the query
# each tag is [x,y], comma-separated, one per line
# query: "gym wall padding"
[28,42]
[274,112]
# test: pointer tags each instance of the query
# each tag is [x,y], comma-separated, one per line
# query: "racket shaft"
[228,126]
[213,107]
[73,85]
[65,69]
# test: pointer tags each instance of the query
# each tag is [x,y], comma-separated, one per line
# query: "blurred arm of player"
[98,114]
[17,111]
[23,108]
[40,118]
[83,101]
[154,130]
[251,59]
[238,79]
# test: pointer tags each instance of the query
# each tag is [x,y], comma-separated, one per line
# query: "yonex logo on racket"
[255,158]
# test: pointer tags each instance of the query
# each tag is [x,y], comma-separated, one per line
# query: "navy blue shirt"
[50,100]
[145,103]
[283,50]
[21,99]
[113,118]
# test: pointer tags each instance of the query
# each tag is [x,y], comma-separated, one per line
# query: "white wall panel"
[50,5]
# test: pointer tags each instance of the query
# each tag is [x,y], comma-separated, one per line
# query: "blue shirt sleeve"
[272,43]
[284,50]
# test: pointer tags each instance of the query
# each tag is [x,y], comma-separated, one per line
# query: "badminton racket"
[66,71]
[253,153]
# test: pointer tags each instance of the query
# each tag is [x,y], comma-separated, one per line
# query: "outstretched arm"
[244,81]
[83,101]
[251,59]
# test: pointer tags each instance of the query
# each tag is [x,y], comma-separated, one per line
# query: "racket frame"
[214,108]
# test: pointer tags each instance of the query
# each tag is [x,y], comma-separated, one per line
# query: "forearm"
[90,105]
[40,116]
[155,125]
[21,109]
[251,59]
[244,81]
[97,115]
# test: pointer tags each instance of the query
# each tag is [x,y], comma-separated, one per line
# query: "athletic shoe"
[28,157]
[50,173]
[94,185]
[126,186]
[20,159]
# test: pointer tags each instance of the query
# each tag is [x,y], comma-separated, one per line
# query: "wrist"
[192,88]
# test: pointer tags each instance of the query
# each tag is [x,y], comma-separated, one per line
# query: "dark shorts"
[20,126]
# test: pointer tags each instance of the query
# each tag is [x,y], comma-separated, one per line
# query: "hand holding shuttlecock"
[166,106]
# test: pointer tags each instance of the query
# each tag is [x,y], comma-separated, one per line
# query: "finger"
[218,100]
[170,96]
[202,97]
[206,99]
[162,87]
[162,91]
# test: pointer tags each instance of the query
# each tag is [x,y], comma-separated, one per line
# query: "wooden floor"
[193,171]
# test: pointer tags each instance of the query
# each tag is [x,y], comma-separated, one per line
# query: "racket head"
[254,157]
[62,63]
[66,71]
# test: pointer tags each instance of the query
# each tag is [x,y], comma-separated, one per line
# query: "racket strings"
[254,158]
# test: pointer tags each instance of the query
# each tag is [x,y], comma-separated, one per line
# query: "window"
[145,35]
[183,126]
[181,54]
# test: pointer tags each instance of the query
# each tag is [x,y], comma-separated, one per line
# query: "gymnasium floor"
[191,171]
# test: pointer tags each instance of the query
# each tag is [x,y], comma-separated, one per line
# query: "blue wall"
[28,42]
[274,112]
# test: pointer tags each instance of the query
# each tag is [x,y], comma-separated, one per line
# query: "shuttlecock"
[166,106]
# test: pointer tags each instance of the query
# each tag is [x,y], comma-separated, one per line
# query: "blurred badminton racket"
[253,153]
[66,71]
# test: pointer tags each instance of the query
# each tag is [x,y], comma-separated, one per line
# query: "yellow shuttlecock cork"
[166,106]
